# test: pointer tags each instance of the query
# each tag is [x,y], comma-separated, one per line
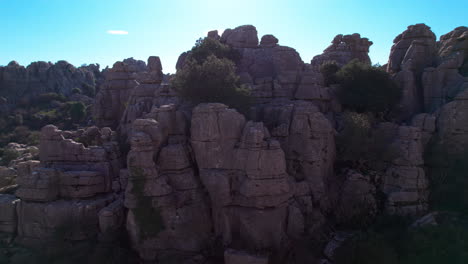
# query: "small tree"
[364,88]
[77,111]
[209,75]
[329,70]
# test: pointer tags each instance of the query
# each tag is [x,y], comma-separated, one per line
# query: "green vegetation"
[7,155]
[76,91]
[88,90]
[329,70]
[360,144]
[447,172]
[364,88]
[393,242]
[147,217]
[209,75]
[76,110]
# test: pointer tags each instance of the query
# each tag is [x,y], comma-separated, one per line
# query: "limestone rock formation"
[241,37]
[405,182]
[343,49]
[25,83]
[112,98]
[168,208]
[69,192]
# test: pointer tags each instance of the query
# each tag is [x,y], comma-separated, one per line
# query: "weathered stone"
[343,49]
[238,257]
[241,37]
[8,217]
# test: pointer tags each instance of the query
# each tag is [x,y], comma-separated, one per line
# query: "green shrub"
[89,90]
[213,80]
[46,98]
[8,155]
[76,111]
[364,88]
[394,242]
[329,70]
[205,47]
[147,217]
[76,91]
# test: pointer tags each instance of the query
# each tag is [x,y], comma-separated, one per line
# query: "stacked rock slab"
[449,76]
[307,138]
[412,51]
[168,211]
[343,49]
[404,182]
[65,193]
[143,95]
[113,96]
[451,124]
[244,171]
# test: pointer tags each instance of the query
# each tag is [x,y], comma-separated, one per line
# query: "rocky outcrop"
[112,98]
[429,72]
[307,138]
[244,171]
[241,37]
[71,194]
[405,183]
[343,49]
[444,81]
[412,51]
[19,83]
[146,94]
[168,209]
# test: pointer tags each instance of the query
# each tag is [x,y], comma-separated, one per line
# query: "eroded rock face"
[168,208]
[247,194]
[144,95]
[429,72]
[241,37]
[70,192]
[413,49]
[112,98]
[444,81]
[405,182]
[343,49]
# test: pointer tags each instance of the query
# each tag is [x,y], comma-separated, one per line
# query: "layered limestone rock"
[429,72]
[8,215]
[404,183]
[444,81]
[7,176]
[144,95]
[241,37]
[245,173]
[412,51]
[343,49]
[113,96]
[357,201]
[168,209]
[451,123]
[308,140]
[68,192]
[25,83]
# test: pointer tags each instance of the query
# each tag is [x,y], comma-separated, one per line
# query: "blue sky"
[78,30]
